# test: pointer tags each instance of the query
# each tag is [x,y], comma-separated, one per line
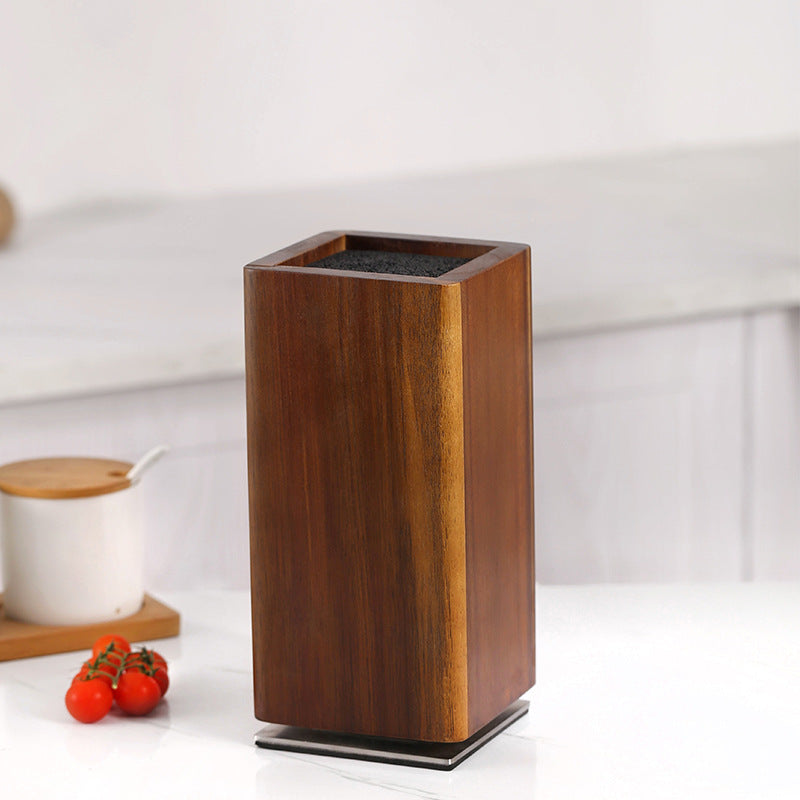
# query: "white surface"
[106,97]
[638,438]
[123,295]
[73,561]
[774,523]
[642,692]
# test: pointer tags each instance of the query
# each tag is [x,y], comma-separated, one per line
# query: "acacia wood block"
[390,460]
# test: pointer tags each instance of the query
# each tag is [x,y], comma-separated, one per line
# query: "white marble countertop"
[642,692]
[121,294]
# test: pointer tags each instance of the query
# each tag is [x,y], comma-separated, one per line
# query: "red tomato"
[147,658]
[158,659]
[83,675]
[108,669]
[150,663]
[121,645]
[137,693]
[162,679]
[89,701]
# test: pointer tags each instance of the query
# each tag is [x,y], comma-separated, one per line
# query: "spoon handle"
[146,461]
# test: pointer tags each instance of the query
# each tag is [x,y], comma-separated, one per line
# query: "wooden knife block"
[390,436]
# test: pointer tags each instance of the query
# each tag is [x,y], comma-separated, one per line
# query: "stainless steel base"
[432,755]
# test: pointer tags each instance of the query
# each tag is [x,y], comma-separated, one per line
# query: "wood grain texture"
[64,477]
[356,457]
[154,620]
[498,455]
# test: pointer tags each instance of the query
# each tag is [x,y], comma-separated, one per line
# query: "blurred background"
[111,98]
[648,151]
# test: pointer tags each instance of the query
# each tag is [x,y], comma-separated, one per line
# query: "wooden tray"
[22,640]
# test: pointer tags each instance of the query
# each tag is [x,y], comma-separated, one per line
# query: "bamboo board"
[154,620]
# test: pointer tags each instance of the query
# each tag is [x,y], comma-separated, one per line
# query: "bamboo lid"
[64,477]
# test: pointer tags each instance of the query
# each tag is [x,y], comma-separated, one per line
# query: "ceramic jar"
[72,541]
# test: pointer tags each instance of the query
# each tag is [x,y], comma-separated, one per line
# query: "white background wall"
[111,96]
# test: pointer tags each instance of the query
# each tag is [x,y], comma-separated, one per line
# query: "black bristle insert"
[384,261]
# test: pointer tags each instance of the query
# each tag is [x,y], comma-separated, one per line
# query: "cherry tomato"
[110,669]
[158,659]
[150,663]
[147,658]
[162,679]
[137,693]
[121,645]
[89,701]
[84,673]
